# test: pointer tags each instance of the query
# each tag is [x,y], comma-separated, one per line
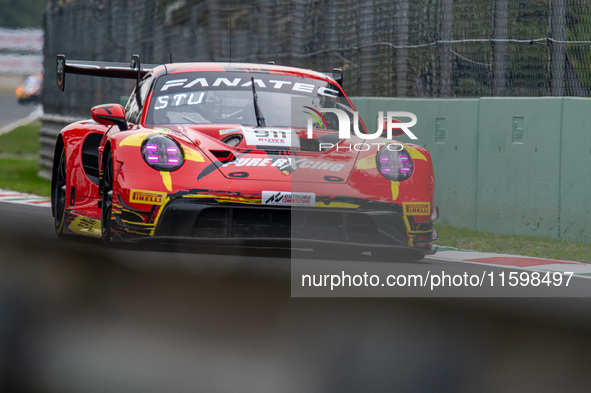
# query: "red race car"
[242,155]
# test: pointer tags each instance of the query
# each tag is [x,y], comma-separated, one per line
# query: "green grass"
[23,140]
[19,150]
[511,244]
[21,175]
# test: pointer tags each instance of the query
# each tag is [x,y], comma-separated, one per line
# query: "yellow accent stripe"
[408,230]
[367,163]
[419,232]
[134,139]
[132,212]
[86,226]
[223,199]
[160,210]
[167,180]
[415,154]
[316,118]
[137,223]
[395,190]
[192,155]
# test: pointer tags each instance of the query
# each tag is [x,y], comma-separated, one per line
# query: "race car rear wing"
[337,74]
[133,70]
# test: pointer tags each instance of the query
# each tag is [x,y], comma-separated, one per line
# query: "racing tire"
[58,193]
[107,201]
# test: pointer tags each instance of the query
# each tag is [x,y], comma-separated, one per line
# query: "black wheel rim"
[59,195]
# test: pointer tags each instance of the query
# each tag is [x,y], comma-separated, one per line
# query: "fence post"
[215,29]
[499,48]
[557,49]
[446,8]
[297,34]
[263,30]
[366,29]
[401,29]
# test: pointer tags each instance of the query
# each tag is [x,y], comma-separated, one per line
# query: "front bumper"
[371,226]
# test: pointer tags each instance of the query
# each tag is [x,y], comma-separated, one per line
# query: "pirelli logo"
[416,208]
[147,197]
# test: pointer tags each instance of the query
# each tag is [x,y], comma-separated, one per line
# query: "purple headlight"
[395,165]
[162,152]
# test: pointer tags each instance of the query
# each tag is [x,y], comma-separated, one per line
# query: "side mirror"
[109,114]
[395,131]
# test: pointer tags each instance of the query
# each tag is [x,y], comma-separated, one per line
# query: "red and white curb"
[24,199]
[515,262]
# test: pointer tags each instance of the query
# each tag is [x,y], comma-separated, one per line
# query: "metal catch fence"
[401,48]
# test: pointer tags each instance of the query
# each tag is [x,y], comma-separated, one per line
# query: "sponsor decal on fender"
[147,197]
[281,138]
[86,226]
[282,163]
[286,198]
[229,131]
[416,208]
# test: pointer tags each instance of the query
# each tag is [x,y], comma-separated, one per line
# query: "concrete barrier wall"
[48,133]
[575,174]
[505,165]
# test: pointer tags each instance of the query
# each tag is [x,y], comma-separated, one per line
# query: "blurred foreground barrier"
[79,317]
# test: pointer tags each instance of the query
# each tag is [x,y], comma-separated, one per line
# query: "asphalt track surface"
[127,319]
[11,110]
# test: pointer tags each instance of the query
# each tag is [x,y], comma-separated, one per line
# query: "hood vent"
[223,156]
[233,140]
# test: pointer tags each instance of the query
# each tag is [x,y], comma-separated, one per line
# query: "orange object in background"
[30,90]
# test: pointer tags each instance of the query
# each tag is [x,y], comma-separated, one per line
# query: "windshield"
[227,97]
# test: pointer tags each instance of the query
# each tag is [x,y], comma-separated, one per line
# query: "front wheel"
[58,194]
[107,200]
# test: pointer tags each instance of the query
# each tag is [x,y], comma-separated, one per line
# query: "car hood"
[275,153]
